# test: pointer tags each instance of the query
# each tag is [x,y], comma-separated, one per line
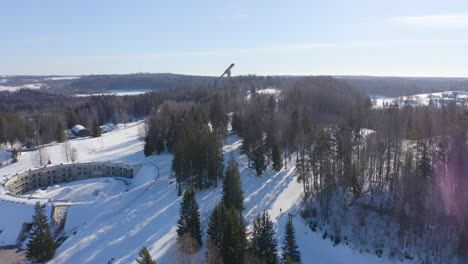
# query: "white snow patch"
[267,91]
[422,99]
[19,87]
[116,93]
[60,78]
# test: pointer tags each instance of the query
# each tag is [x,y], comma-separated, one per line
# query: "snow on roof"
[106,128]
[78,128]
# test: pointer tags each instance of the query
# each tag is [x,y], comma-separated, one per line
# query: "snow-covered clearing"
[61,78]
[267,91]
[422,99]
[19,87]
[118,93]
[117,219]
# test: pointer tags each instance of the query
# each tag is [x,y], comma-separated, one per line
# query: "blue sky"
[349,37]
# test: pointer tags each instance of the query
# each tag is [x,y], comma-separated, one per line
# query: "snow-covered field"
[19,87]
[113,219]
[61,78]
[117,93]
[422,99]
[267,91]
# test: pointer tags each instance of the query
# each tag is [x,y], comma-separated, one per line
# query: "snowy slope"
[147,216]
[114,226]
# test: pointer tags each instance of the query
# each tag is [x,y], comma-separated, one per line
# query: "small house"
[80,131]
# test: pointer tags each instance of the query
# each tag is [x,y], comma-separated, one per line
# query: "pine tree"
[144,257]
[189,221]
[232,190]
[263,244]
[290,250]
[41,245]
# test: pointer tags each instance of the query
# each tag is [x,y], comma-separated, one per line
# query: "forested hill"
[151,81]
[374,86]
[400,86]
[385,86]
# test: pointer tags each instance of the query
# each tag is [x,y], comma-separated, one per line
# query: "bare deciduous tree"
[187,247]
[41,157]
[71,153]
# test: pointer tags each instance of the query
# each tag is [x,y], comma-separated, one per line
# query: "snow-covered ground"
[118,93]
[19,87]
[87,190]
[267,91]
[5,155]
[422,99]
[61,78]
[115,219]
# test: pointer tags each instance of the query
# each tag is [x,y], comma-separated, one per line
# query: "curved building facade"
[27,181]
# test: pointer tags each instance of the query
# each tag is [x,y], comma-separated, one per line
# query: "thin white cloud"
[453,20]
[264,49]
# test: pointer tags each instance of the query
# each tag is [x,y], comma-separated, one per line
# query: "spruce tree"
[144,257]
[160,148]
[277,159]
[60,132]
[258,157]
[148,149]
[234,240]
[215,159]
[96,129]
[215,226]
[41,245]
[290,250]
[226,236]
[232,190]
[263,244]
[189,221]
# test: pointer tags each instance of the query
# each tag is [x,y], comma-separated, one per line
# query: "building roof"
[78,128]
